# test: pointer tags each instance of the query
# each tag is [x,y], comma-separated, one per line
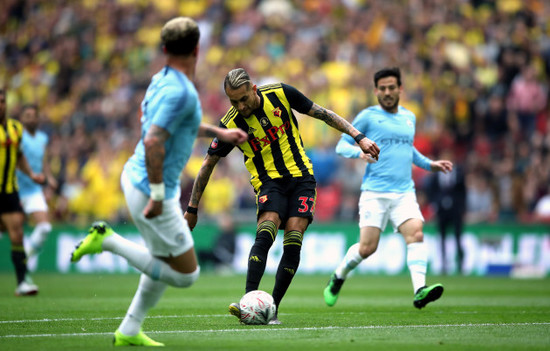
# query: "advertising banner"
[518,250]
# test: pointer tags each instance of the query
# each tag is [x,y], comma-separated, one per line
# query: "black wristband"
[192,210]
[359,137]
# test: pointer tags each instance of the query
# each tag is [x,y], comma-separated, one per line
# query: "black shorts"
[289,197]
[10,203]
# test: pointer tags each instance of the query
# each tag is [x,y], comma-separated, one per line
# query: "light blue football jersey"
[34,149]
[394,134]
[172,103]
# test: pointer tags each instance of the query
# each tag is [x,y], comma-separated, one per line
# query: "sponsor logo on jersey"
[272,134]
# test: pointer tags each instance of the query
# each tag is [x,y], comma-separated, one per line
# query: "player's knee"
[185,280]
[293,238]
[265,235]
[416,237]
[365,250]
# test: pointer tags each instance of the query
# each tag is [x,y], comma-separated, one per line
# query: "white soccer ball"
[257,307]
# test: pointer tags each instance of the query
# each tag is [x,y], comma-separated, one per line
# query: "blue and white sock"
[147,295]
[350,261]
[417,261]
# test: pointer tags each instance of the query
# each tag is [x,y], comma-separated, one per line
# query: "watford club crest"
[262,199]
[214,143]
[277,112]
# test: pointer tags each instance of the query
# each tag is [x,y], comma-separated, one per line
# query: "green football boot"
[427,294]
[332,290]
[92,242]
[137,340]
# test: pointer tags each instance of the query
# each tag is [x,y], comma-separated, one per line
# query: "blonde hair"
[236,78]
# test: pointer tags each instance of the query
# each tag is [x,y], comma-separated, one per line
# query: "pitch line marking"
[106,318]
[270,329]
[173,316]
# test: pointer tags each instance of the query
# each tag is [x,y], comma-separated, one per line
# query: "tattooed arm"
[233,136]
[199,185]
[332,119]
[154,159]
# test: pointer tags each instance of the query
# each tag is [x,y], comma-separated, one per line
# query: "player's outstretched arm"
[233,136]
[332,119]
[191,215]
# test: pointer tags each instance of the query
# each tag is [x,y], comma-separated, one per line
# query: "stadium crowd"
[476,74]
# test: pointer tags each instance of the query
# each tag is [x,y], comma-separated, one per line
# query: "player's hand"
[369,147]
[234,136]
[38,178]
[153,209]
[442,166]
[52,182]
[368,158]
[191,219]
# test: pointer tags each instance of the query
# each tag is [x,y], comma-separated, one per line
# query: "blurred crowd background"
[475,73]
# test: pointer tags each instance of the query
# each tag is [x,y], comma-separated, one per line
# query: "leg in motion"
[417,261]
[292,245]
[265,236]
[366,246]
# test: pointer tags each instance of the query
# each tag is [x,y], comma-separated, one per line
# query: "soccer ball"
[257,307]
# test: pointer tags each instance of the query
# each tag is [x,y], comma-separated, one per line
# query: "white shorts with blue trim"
[165,235]
[377,208]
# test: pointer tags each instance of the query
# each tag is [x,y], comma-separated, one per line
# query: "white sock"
[417,260]
[147,295]
[139,257]
[350,261]
[39,235]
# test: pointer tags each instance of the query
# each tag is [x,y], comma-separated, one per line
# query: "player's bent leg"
[93,241]
[427,294]
[180,280]
[184,270]
[135,340]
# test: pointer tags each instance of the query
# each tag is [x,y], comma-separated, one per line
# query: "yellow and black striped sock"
[292,245]
[265,236]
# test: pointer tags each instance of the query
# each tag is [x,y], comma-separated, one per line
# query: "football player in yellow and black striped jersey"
[281,173]
[11,212]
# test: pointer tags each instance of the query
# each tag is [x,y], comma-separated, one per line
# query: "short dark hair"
[388,72]
[29,107]
[180,36]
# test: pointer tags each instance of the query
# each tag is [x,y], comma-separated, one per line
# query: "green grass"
[80,312]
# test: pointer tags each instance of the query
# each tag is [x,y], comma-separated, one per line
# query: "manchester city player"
[171,120]
[32,197]
[387,191]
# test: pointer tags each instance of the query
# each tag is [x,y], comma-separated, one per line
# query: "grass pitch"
[81,312]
